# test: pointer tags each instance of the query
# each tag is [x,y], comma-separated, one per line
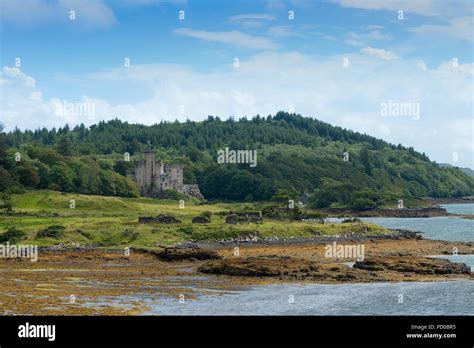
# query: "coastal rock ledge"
[418,265]
[181,253]
[375,269]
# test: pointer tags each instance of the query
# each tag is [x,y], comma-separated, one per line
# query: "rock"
[280,267]
[201,220]
[412,264]
[162,219]
[193,191]
[181,253]
[245,217]
[231,219]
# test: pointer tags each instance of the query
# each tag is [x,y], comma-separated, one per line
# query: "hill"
[338,167]
[466,170]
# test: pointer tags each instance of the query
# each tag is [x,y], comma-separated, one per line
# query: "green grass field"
[113,221]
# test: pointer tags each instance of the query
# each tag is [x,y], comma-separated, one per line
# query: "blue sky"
[183,69]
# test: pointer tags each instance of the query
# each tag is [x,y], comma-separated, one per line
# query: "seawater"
[410,298]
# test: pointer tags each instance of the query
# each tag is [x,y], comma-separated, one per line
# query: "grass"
[113,221]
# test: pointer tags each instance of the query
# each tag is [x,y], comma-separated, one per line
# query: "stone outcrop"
[417,265]
[201,220]
[160,219]
[287,268]
[181,253]
[246,217]
[192,190]
[374,269]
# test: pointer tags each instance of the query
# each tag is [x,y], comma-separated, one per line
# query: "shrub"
[12,235]
[130,234]
[54,231]
[187,230]
[6,203]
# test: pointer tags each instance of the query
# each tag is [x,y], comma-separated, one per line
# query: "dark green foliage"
[12,235]
[130,235]
[6,203]
[123,167]
[44,168]
[64,145]
[6,181]
[54,231]
[295,154]
[365,200]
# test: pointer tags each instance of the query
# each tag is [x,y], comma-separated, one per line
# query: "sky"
[395,69]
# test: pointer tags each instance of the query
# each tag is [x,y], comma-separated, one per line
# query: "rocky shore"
[95,281]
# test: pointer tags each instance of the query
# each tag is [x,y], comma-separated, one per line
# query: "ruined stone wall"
[153,177]
[192,190]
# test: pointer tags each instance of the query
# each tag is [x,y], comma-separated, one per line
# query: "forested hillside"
[336,166]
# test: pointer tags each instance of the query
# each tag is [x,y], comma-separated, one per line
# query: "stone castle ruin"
[153,177]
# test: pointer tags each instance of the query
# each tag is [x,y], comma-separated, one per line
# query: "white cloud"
[251,16]
[363,39]
[439,8]
[379,53]
[233,37]
[282,31]
[89,13]
[269,82]
[458,28]
[251,20]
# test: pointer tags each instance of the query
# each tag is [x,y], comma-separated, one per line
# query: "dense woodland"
[337,167]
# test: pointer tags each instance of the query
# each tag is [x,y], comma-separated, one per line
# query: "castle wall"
[154,176]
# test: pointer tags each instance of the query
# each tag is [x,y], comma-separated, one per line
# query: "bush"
[6,181]
[174,195]
[365,200]
[130,234]
[6,203]
[187,230]
[12,235]
[54,231]
[206,214]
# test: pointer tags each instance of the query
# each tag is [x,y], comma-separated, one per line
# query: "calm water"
[437,298]
[444,228]
[459,208]
[467,259]
[434,298]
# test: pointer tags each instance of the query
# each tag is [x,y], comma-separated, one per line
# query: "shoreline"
[100,279]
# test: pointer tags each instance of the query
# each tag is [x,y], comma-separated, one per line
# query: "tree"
[62,176]
[3,145]
[64,145]
[364,158]
[26,174]
[6,181]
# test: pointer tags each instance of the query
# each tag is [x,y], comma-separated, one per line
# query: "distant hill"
[338,167]
[466,170]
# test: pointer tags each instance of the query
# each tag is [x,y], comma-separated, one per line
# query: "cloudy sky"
[340,61]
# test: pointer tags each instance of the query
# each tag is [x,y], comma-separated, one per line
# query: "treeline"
[117,136]
[338,167]
[47,168]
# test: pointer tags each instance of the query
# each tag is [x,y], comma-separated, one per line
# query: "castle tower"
[153,177]
[150,172]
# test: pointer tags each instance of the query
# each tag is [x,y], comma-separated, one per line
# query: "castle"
[153,177]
